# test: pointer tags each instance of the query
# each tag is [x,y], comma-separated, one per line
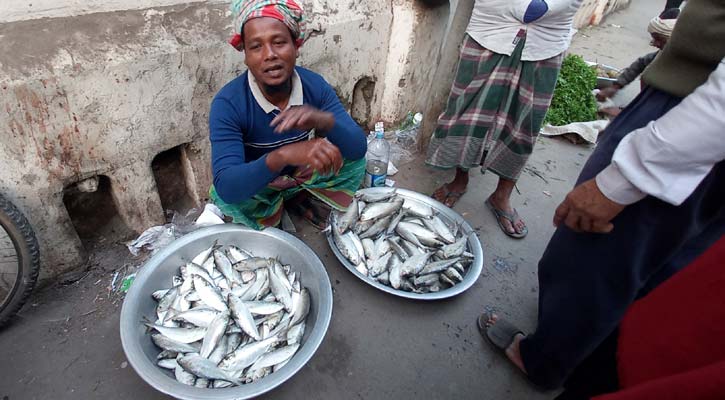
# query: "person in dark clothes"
[660,28]
[650,199]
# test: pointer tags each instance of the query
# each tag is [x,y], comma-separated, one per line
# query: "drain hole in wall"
[171,181]
[362,100]
[93,212]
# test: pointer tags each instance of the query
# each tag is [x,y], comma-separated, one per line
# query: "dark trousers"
[587,281]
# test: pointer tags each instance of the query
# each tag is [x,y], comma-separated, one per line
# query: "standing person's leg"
[514,134]
[587,281]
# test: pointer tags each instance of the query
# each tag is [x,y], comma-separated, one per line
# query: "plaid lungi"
[494,111]
[265,208]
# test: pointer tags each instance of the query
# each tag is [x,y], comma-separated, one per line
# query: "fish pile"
[400,242]
[229,318]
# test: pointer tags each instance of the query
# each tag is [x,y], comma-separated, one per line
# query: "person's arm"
[669,157]
[235,179]
[631,73]
[346,134]
[666,159]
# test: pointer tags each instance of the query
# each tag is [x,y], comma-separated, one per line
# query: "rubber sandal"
[500,335]
[511,217]
[449,195]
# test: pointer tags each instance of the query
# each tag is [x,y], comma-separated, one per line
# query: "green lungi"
[265,208]
[494,111]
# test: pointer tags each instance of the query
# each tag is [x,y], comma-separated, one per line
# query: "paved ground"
[65,344]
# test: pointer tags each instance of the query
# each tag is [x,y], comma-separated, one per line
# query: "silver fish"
[446,280]
[394,222]
[436,225]
[398,249]
[368,246]
[167,363]
[383,278]
[280,290]
[404,232]
[414,264]
[204,368]
[380,265]
[362,227]
[183,335]
[453,274]
[425,280]
[411,248]
[225,266]
[438,266]
[247,276]
[166,302]
[183,376]
[300,306]
[201,383]
[221,350]
[456,249]
[204,255]
[215,332]
[167,354]
[382,246]
[378,196]
[381,210]
[294,334]
[357,243]
[233,341]
[253,264]
[424,236]
[191,269]
[417,209]
[346,247]
[377,228]
[209,294]
[243,318]
[159,294]
[349,217]
[172,345]
[246,355]
[394,272]
[459,267]
[237,255]
[263,307]
[362,268]
[210,268]
[275,357]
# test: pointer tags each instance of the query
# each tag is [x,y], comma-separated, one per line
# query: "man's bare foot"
[513,352]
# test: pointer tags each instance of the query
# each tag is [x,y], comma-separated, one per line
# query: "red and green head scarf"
[287,11]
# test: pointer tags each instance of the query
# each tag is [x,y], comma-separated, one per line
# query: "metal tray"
[448,216]
[157,272]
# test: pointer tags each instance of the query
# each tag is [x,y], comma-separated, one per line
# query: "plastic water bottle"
[377,157]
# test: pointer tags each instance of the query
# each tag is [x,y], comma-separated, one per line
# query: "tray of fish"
[406,244]
[226,313]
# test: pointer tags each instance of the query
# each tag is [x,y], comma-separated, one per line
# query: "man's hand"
[608,92]
[319,154]
[303,118]
[586,209]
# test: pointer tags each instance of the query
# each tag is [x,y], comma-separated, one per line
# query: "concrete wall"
[99,88]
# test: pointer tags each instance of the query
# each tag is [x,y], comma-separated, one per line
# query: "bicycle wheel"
[19,260]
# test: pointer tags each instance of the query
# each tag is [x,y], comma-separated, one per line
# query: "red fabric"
[672,342]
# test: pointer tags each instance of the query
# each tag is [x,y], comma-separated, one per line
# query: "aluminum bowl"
[156,274]
[448,216]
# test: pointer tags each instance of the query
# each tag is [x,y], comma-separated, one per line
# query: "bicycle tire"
[26,246]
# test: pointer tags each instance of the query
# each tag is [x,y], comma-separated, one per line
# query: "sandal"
[511,217]
[450,197]
[500,335]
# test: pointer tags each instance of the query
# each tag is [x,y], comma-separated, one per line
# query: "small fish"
[172,345]
[214,333]
[398,249]
[378,227]
[204,255]
[438,266]
[191,269]
[380,265]
[183,376]
[394,272]
[183,335]
[275,357]
[453,275]
[201,383]
[417,209]
[377,196]
[456,249]
[422,234]
[204,368]
[243,318]
[237,255]
[383,278]
[362,227]
[294,334]
[425,280]
[209,295]
[225,266]
[346,247]
[357,243]
[159,294]
[446,280]
[246,355]
[414,264]
[381,210]
[280,290]
[221,350]
[167,363]
[382,247]
[394,222]
[253,264]
[436,225]
[263,307]
[368,247]
[350,216]
[300,306]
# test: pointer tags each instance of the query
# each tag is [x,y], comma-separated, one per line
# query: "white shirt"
[494,25]
[296,98]
[669,157]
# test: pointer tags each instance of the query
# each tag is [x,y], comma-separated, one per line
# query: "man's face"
[270,51]
[658,41]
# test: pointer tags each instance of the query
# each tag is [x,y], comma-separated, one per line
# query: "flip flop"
[449,194]
[511,217]
[500,335]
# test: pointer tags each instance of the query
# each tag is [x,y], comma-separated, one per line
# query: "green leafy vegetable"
[573,100]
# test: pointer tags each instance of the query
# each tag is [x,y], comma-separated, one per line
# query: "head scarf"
[662,26]
[287,11]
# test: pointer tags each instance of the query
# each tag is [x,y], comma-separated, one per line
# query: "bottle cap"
[379,135]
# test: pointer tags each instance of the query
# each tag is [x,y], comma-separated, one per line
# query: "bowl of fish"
[406,243]
[226,312]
